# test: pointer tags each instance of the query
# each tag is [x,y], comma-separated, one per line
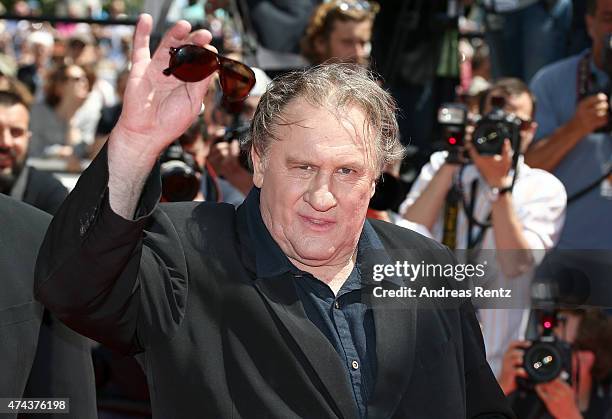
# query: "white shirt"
[539,201]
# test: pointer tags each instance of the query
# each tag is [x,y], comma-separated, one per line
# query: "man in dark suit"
[39,356]
[17,179]
[267,310]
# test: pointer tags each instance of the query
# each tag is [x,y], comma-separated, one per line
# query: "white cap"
[261,82]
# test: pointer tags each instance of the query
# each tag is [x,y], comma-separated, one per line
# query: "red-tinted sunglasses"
[193,63]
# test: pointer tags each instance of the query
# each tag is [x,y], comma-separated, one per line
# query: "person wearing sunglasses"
[518,212]
[340,31]
[265,310]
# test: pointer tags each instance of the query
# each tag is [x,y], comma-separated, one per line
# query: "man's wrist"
[499,194]
[139,151]
[502,183]
[578,127]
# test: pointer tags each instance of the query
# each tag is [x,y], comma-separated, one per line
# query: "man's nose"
[6,139]
[319,194]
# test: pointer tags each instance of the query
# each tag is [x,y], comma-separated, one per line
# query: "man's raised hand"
[156,108]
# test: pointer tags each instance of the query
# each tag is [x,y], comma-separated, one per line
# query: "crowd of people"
[543,68]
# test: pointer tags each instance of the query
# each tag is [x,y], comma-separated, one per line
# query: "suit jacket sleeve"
[120,282]
[484,397]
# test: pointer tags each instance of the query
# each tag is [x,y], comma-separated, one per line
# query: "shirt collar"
[270,260]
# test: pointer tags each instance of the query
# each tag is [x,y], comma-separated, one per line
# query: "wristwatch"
[495,193]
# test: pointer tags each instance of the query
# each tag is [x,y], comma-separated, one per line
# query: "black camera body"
[493,128]
[489,134]
[237,132]
[179,174]
[606,129]
[546,359]
[586,85]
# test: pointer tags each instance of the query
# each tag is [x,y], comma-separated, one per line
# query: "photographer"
[225,127]
[526,208]
[587,395]
[189,162]
[573,138]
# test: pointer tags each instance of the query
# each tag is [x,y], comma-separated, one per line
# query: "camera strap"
[451,213]
[585,79]
[576,196]
[474,241]
[454,199]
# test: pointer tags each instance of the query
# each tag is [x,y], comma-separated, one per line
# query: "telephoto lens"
[179,174]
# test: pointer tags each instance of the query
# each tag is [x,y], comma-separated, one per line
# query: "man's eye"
[345,171]
[17,132]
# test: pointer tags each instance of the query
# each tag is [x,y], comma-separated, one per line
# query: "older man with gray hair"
[266,310]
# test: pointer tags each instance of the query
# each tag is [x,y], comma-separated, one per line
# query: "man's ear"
[373,188]
[258,168]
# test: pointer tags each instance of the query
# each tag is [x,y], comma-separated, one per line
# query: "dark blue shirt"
[344,319]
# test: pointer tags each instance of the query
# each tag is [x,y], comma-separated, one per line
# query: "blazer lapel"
[395,321]
[279,292]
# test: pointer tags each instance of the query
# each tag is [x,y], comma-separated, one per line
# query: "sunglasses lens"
[237,79]
[191,63]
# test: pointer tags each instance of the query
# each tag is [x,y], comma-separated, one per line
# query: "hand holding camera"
[512,366]
[493,168]
[225,157]
[592,113]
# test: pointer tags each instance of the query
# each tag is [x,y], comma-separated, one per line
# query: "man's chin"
[315,255]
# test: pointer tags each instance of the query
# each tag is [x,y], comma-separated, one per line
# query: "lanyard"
[472,241]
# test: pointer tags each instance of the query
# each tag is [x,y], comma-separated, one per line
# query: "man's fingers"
[517,358]
[235,147]
[176,36]
[201,37]
[140,48]
[506,148]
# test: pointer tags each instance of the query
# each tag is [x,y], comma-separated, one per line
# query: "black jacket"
[40,189]
[39,356]
[177,286]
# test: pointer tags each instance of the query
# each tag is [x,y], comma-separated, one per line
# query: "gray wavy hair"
[339,86]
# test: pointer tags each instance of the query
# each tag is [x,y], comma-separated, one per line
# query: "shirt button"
[336,304]
[355,365]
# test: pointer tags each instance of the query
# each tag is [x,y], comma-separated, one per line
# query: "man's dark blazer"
[39,356]
[44,191]
[177,287]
